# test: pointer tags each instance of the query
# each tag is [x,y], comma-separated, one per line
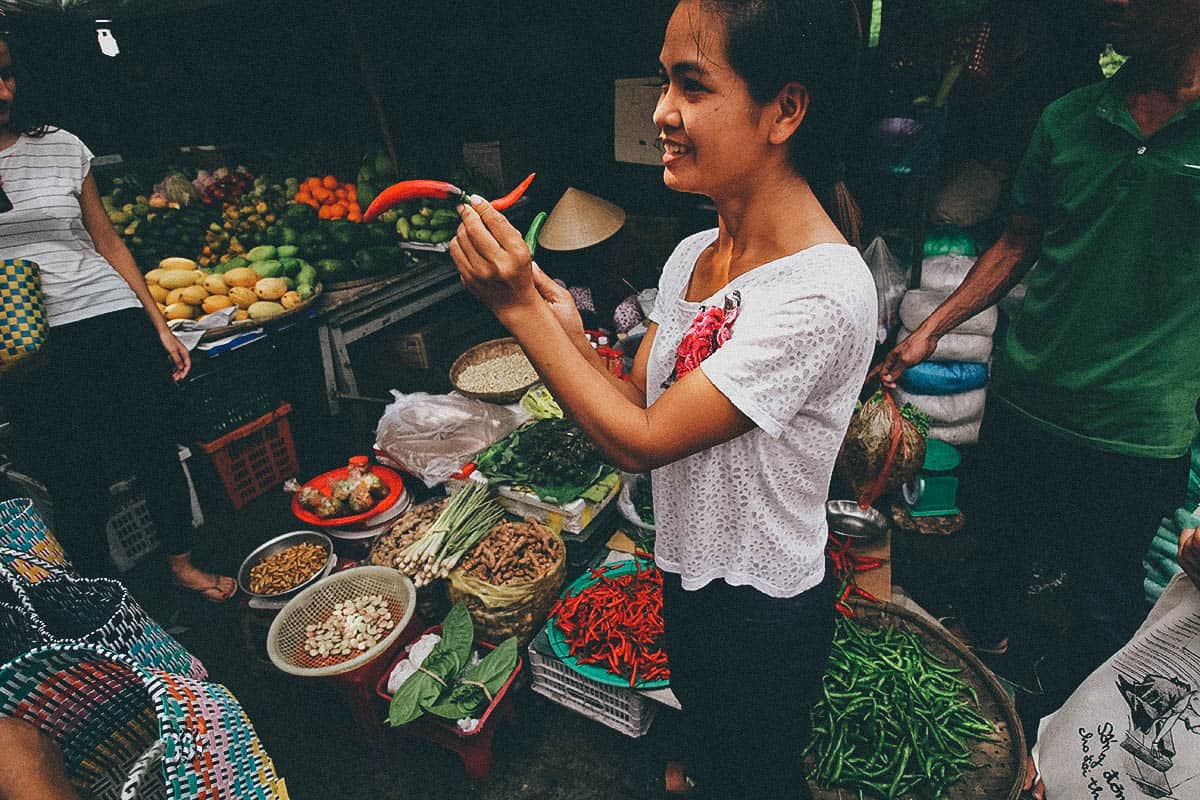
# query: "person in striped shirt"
[87,409]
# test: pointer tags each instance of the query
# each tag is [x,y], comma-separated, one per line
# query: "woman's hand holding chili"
[494,261]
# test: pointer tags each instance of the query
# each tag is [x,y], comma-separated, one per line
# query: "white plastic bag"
[891,281]
[433,435]
[1132,728]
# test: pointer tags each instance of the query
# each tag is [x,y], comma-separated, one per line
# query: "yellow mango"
[193,295]
[174,296]
[265,309]
[215,284]
[177,278]
[243,297]
[271,288]
[153,275]
[241,276]
[180,311]
[290,300]
[175,262]
[216,301]
[157,292]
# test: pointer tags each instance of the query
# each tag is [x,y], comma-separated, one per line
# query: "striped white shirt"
[44,177]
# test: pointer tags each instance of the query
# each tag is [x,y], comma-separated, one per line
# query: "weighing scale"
[934,492]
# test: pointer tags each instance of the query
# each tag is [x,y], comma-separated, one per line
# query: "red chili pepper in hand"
[404,191]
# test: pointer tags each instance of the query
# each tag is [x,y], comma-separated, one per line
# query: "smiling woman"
[743,387]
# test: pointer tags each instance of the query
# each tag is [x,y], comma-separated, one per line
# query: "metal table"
[348,315]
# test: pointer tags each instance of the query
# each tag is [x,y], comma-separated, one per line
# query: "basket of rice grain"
[495,371]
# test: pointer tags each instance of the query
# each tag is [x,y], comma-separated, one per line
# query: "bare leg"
[215,588]
[32,767]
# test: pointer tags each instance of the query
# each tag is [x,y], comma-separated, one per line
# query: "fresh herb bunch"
[544,453]
[919,419]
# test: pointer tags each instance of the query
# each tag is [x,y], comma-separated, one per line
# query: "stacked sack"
[951,386]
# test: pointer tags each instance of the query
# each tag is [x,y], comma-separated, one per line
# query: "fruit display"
[332,198]
[261,286]
[217,218]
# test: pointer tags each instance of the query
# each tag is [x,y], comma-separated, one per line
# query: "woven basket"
[23,325]
[513,609]
[486,351]
[128,732]
[65,609]
[17,635]
[1001,762]
[23,533]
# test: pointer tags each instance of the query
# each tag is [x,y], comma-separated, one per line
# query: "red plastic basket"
[256,457]
[474,748]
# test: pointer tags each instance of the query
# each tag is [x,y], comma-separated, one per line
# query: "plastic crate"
[131,533]
[621,709]
[255,457]
[217,402]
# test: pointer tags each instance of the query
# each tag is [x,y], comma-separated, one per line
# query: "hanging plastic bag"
[433,435]
[891,281]
[884,447]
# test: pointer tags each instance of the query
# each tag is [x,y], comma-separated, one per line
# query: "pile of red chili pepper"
[617,623]
[847,564]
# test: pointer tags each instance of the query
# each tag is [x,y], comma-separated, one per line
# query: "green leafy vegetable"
[424,687]
[551,456]
[468,698]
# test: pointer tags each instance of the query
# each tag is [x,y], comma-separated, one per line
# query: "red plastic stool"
[473,748]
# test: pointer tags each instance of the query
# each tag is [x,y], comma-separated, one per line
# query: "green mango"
[419,220]
[424,235]
[299,216]
[270,268]
[264,252]
[287,251]
[291,266]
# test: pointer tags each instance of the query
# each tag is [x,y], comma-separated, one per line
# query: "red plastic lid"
[359,461]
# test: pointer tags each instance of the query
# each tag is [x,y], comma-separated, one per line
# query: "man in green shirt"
[1094,387]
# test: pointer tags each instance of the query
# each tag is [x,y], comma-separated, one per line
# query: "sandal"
[221,590]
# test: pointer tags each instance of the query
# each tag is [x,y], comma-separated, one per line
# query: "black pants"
[95,406]
[1037,498]
[747,669]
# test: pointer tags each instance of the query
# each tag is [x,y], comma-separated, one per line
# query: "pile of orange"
[331,198]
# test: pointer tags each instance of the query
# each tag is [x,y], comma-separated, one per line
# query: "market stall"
[482,564]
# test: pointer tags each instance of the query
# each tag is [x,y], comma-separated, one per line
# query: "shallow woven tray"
[486,351]
[1004,759]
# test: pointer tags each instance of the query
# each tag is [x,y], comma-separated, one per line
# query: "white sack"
[918,304]
[947,409]
[958,434]
[958,347]
[945,273]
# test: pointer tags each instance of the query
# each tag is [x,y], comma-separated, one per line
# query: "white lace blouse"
[752,510]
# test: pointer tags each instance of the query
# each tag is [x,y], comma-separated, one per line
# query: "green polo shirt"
[1105,349]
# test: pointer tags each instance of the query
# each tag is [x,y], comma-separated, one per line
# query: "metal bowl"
[274,546]
[846,518]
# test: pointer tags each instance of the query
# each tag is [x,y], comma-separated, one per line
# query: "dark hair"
[25,117]
[817,43]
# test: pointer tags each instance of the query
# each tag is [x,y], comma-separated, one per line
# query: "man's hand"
[1189,554]
[1032,786]
[912,351]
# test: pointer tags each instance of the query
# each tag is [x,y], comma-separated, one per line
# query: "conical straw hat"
[580,220]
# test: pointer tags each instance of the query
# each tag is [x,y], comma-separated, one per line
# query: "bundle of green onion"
[467,518]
